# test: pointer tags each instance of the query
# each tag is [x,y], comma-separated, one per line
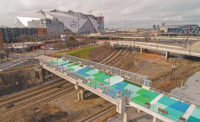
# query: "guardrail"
[129,76]
[90,82]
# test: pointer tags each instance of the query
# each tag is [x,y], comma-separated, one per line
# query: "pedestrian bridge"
[120,87]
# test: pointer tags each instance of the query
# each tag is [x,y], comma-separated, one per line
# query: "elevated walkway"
[117,86]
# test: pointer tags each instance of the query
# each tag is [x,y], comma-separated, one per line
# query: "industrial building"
[181,29]
[57,22]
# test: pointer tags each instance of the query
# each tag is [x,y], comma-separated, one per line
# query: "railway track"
[118,61]
[95,117]
[30,93]
[36,101]
[178,71]
[113,57]
[107,58]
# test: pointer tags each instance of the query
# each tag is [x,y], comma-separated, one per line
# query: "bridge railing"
[129,76]
[180,98]
[106,89]
[154,108]
[114,93]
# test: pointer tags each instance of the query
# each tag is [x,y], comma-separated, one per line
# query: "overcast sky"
[120,13]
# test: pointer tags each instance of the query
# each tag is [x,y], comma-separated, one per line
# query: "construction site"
[111,80]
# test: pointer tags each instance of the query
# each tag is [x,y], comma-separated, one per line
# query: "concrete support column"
[138,111]
[141,49]
[82,94]
[40,73]
[155,119]
[125,117]
[77,87]
[41,76]
[166,55]
[79,96]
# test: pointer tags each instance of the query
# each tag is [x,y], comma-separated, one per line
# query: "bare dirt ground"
[80,110]
[100,53]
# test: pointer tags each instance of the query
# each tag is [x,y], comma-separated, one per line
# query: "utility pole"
[23,51]
[157,41]
[78,24]
[45,43]
[190,47]
[173,70]
[180,92]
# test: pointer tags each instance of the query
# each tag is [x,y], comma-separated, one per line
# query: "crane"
[90,12]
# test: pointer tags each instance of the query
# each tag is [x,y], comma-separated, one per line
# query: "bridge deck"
[139,97]
[158,47]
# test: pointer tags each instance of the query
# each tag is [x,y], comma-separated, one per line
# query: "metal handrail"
[130,76]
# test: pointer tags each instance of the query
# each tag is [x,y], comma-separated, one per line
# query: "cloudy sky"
[118,13]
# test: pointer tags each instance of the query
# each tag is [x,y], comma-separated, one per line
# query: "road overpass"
[156,47]
[117,36]
[114,85]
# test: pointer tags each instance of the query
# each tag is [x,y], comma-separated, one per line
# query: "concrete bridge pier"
[81,95]
[40,73]
[155,119]
[121,108]
[166,55]
[125,115]
[80,92]
[141,50]
[138,111]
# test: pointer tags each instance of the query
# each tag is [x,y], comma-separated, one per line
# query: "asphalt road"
[22,57]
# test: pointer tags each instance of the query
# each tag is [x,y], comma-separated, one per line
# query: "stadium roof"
[67,17]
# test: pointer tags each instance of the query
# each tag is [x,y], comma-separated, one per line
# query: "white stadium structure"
[57,21]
